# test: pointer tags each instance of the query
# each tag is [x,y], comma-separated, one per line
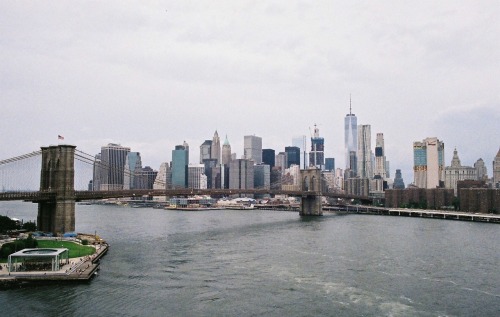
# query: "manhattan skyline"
[149,79]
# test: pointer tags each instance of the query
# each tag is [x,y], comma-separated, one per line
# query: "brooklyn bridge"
[56,196]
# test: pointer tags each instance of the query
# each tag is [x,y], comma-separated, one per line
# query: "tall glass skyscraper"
[180,162]
[133,165]
[351,139]
[293,155]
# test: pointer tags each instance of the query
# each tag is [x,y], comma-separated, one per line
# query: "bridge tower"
[58,177]
[311,186]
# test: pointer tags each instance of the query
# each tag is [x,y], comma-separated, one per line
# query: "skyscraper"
[428,163]
[226,152]
[330,164]
[481,170]
[253,148]
[364,153]
[196,176]
[398,180]
[456,172]
[350,139]
[180,162]
[113,158]
[317,154]
[300,142]
[241,174]
[496,170]
[215,149]
[133,165]
[293,156]
[262,176]
[205,150]
[380,162]
[268,157]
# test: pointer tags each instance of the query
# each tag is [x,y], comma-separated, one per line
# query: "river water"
[272,263]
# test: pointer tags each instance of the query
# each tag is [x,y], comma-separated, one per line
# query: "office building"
[481,170]
[113,157]
[317,154]
[262,176]
[145,178]
[180,162]
[133,165]
[300,142]
[97,173]
[350,140]
[226,152]
[196,176]
[281,160]
[241,174]
[398,181]
[253,148]
[292,156]
[380,161]
[215,150]
[205,151]
[330,164]
[269,157]
[164,177]
[496,171]
[456,172]
[428,163]
[364,154]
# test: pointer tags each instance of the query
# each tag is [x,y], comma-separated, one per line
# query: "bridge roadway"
[40,196]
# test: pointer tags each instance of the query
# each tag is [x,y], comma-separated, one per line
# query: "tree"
[7,224]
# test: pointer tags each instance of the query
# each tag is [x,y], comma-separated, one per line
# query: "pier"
[82,269]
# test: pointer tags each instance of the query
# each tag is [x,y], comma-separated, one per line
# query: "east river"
[272,263]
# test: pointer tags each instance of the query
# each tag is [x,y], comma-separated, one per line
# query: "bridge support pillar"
[58,176]
[311,185]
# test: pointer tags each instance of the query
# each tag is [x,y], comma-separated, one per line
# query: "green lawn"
[75,250]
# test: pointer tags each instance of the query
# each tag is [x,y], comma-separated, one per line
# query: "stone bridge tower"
[311,186]
[57,176]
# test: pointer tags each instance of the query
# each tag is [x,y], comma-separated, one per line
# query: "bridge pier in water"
[57,176]
[311,185]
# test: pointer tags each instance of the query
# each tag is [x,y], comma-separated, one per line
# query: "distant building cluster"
[366,171]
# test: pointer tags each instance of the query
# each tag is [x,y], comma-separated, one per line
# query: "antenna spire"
[350,104]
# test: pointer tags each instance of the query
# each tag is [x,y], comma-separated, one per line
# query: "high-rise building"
[380,161]
[428,163]
[350,139]
[398,180]
[456,172]
[481,170]
[196,176]
[268,157]
[281,160]
[180,162]
[317,154]
[262,176]
[330,164]
[496,170]
[253,148]
[293,156]
[241,174]
[300,142]
[164,177]
[113,157]
[97,173]
[215,149]
[145,178]
[364,153]
[205,151]
[133,165]
[226,152]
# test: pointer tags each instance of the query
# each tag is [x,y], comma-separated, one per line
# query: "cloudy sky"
[152,74]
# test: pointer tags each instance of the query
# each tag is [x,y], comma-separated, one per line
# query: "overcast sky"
[152,74]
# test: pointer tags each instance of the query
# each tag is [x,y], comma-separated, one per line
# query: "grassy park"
[75,249]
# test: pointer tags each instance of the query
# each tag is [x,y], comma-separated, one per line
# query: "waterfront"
[273,263]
